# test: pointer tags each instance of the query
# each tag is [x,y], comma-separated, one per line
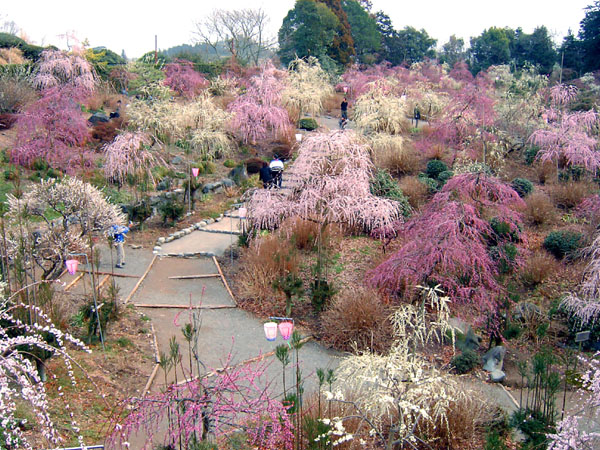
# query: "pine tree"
[343,45]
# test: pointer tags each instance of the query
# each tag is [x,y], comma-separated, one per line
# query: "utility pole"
[155,49]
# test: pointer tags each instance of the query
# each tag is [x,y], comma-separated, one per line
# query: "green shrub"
[140,212]
[308,124]
[384,185]
[432,185]
[320,294]
[563,243]
[465,362]
[435,167]
[444,176]
[229,163]
[523,186]
[513,330]
[530,155]
[171,210]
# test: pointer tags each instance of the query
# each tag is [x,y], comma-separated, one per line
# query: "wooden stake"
[224,280]
[156,356]
[122,275]
[146,305]
[137,285]
[150,380]
[190,277]
[103,282]
[74,282]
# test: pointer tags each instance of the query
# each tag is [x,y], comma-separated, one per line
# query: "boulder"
[97,118]
[177,160]
[494,359]
[497,376]
[227,182]
[238,174]
[471,342]
[525,311]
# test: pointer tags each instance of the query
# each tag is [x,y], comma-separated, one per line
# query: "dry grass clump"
[358,319]
[415,191]
[546,172]
[332,103]
[539,209]
[466,418]
[392,153]
[266,260]
[302,233]
[15,94]
[11,55]
[539,266]
[569,195]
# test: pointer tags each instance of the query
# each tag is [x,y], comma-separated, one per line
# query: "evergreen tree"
[589,34]
[342,48]
[366,36]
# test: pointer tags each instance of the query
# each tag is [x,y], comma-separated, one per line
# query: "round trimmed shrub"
[445,176]
[308,124]
[435,167]
[523,186]
[465,362]
[563,243]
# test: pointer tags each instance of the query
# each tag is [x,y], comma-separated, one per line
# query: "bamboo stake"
[190,277]
[103,282]
[224,280]
[122,275]
[74,282]
[167,306]
[156,357]
[137,285]
[150,380]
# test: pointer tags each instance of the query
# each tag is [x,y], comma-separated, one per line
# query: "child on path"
[118,233]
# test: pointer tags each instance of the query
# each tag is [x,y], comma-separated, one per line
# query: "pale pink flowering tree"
[572,136]
[330,185]
[184,79]
[213,405]
[569,435]
[53,129]
[259,113]
[57,68]
[129,155]
[19,377]
[448,243]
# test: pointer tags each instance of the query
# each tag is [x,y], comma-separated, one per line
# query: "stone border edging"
[197,226]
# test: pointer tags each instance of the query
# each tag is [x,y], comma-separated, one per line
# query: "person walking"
[118,233]
[265,175]
[417,116]
[276,166]
[344,109]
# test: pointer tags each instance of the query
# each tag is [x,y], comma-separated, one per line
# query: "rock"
[209,221]
[227,182]
[160,240]
[176,160]
[459,325]
[203,223]
[238,174]
[157,249]
[164,184]
[135,246]
[179,191]
[494,359]
[497,376]
[525,311]
[471,342]
[169,239]
[97,118]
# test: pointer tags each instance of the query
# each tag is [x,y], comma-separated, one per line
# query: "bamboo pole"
[224,280]
[167,306]
[122,275]
[137,285]
[150,380]
[74,282]
[190,277]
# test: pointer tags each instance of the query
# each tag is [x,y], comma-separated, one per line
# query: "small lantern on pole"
[345,89]
[195,171]
[72,265]
[298,137]
[285,328]
[242,213]
[270,331]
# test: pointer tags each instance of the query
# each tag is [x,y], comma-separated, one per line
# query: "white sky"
[132,24]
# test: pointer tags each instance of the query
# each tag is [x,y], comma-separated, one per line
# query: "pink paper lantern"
[345,89]
[242,213]
[195,171]
[285,328]
[72,265]
[270,331]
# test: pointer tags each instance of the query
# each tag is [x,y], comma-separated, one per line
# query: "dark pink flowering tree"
[572,136]
[184,79]
[209,407]
[569,434]
[331,185]
[20,379]
[54,130]
[449,243]
[259,113]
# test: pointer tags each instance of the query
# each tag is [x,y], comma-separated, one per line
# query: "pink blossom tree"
[572,136]
[129,155]
[59,69]
[53,129]
[184,79]
[20,379]
[449,243]
[259,113]
[569,434]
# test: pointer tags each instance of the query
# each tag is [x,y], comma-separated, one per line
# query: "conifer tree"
[343,45]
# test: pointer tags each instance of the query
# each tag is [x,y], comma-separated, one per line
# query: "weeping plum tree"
[53,129]
[60,69]
[258,113]
[184,79]
[569,136]
[449,243]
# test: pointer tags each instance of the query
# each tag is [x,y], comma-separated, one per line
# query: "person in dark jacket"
[344,108]
[265,175]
